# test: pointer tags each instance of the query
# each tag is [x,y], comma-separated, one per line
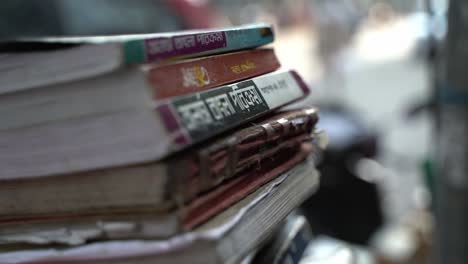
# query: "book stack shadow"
[152,148]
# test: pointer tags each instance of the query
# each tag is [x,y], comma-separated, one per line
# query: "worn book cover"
[191,76]
[158,186]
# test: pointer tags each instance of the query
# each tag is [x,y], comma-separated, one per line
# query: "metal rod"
[451,199]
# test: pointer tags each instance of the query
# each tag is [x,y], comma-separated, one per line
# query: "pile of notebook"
[154,148]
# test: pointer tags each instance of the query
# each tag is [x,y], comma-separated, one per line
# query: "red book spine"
[217,200]
[200,74]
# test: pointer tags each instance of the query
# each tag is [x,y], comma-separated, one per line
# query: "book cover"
[220,198]
[196,117]
[199,170]
[200,74]
[144,48]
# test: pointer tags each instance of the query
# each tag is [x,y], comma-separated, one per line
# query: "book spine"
[192,45]
[211,203]
[201,74]
[192,118]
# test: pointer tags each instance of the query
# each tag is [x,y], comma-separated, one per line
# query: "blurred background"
[372,66]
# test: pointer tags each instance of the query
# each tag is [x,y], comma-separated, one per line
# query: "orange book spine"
[200,74]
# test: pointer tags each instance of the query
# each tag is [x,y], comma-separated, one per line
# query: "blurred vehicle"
[346,206]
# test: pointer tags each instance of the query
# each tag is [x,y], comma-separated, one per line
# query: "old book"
[97,126]
[56,229]
[158,186]
[161,81]
[52,60]
[226,238]
[194,75]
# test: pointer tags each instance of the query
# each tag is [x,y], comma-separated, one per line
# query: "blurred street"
[379,76]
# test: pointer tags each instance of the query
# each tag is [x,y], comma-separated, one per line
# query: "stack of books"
[153,148]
